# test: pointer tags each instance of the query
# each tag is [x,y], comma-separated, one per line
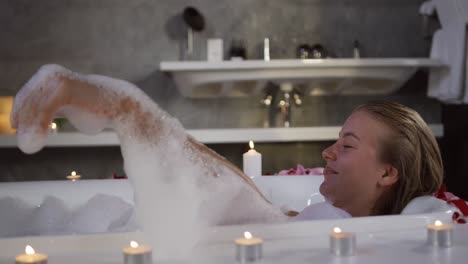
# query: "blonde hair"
[412,149]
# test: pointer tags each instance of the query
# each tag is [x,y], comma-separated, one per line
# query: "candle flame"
[133,244]
[337,230]
[438,223]
[73,173]
[53,125]
[251,144]
[29,250]
[247,235]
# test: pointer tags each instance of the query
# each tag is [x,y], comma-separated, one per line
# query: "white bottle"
[214,50]
[266,49]
[356,52]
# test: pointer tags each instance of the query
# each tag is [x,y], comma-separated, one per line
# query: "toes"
[30,140]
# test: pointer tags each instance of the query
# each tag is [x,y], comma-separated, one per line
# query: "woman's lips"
[329,170]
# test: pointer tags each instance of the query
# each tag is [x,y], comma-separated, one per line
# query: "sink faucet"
[289,96]
[271,90]
[285,103]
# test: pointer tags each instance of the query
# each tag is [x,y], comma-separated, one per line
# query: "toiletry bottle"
[266,49]
[317,51]
[303,51]
[237,50]
[356,51]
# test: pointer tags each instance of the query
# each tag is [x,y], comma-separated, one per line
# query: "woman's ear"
[390,177]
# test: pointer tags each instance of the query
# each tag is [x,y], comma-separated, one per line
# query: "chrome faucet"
[290,96]
[285,103]
[268,100]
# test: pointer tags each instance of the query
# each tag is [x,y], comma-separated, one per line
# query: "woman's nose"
[329,153]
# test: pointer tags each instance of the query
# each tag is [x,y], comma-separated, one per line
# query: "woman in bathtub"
[385,157]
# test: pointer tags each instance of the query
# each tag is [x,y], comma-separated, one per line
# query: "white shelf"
[200,79]
[207,136]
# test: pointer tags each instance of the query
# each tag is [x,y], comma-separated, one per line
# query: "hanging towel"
[449,46]
[427,8]
[450,12]
[465,84]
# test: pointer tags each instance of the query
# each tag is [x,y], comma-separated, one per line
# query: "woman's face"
[353,168]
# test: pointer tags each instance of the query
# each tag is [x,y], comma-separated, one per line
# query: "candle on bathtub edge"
[136,254]
[248,248]
[342,243]
[252,162]
[439,234]
[74,176]
[31,257]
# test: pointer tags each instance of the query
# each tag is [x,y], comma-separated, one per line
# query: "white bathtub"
[295,191]
[95,206]
[384,239]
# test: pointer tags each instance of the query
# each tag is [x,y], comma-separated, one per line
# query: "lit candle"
[31,257]
[53,127]
[342,243]
[73,176]
[439,234]
[252,162]
[136,254]
[248,248]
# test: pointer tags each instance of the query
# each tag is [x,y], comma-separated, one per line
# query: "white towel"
[427,8]
[450,12]
[419,205]
[449,46]
[465,99]
[427,204]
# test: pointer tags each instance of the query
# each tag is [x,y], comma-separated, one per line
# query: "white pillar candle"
[342,243]
[248,248]
[439,235]
[31,257]
[73,176]
[252,162]
[136,254]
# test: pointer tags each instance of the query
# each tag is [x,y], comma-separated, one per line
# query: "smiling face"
[354,175]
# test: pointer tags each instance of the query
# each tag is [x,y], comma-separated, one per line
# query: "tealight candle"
[248,248]
[136,254]
[73,176]
[31,257]
[439,234]
[53,128]
[342,243]
[252,162]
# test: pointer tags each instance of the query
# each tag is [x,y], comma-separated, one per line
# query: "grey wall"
[128,39]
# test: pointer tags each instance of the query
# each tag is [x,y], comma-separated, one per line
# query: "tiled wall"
[128,39]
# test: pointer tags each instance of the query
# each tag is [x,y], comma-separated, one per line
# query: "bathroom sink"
[200,79]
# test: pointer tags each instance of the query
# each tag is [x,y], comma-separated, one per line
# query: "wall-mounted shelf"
[311,76]
[207,136]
